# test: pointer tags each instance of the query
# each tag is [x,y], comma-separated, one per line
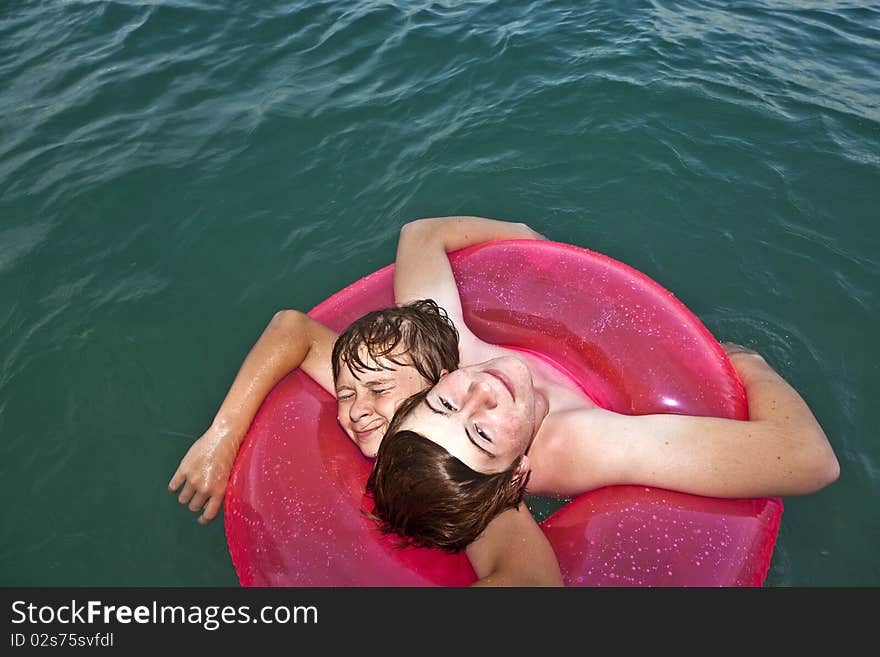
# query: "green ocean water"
[172,173]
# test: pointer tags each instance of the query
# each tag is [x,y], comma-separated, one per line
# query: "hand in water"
[204,472]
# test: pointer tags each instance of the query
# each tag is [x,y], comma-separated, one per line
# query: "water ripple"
[16,243]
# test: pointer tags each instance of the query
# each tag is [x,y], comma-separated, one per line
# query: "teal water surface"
[172,173]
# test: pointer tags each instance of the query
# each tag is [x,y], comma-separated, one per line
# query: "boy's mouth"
[363,434]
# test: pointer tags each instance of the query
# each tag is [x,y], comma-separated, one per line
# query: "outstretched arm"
[291,340]
[513,551]
[422,269]
[780,451]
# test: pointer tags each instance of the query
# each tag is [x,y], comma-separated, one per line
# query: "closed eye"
[466,432]
[445,407]
[478,445]
[482,433]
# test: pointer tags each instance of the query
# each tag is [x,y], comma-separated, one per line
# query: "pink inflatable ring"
[294,498]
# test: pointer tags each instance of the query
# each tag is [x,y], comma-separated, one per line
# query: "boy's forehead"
[391,361]
[381,366]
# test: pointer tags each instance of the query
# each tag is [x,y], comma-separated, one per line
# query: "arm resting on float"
[780,451]
[513,551]
[291,340]
[422,269]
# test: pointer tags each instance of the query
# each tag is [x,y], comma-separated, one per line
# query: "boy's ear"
[521,475]
[443,373]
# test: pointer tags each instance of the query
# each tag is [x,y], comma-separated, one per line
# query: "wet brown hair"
[420,333]
[429,498]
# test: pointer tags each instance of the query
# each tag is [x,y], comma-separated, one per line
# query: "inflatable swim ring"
[294,498]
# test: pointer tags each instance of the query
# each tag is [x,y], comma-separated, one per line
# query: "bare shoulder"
[513,551]
[576,450]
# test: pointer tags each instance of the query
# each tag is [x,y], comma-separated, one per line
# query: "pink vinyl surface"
[293,506]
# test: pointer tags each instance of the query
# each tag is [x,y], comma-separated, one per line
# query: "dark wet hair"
[429,498]
[418,334]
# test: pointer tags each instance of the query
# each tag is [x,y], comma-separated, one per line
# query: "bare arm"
[780,451]
[291,340]
[422,269]
[513,551]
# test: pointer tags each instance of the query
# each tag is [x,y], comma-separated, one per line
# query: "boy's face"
[367,403]
[485,415]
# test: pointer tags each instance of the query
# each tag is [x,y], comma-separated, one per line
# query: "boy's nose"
[480,393]
[358,410]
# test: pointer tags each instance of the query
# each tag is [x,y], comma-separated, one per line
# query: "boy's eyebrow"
[466,432]
[386,379]
[357,372]
[366,382]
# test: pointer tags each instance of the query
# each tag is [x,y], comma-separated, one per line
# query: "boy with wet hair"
[374,364]
[428,498]
[384,356]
